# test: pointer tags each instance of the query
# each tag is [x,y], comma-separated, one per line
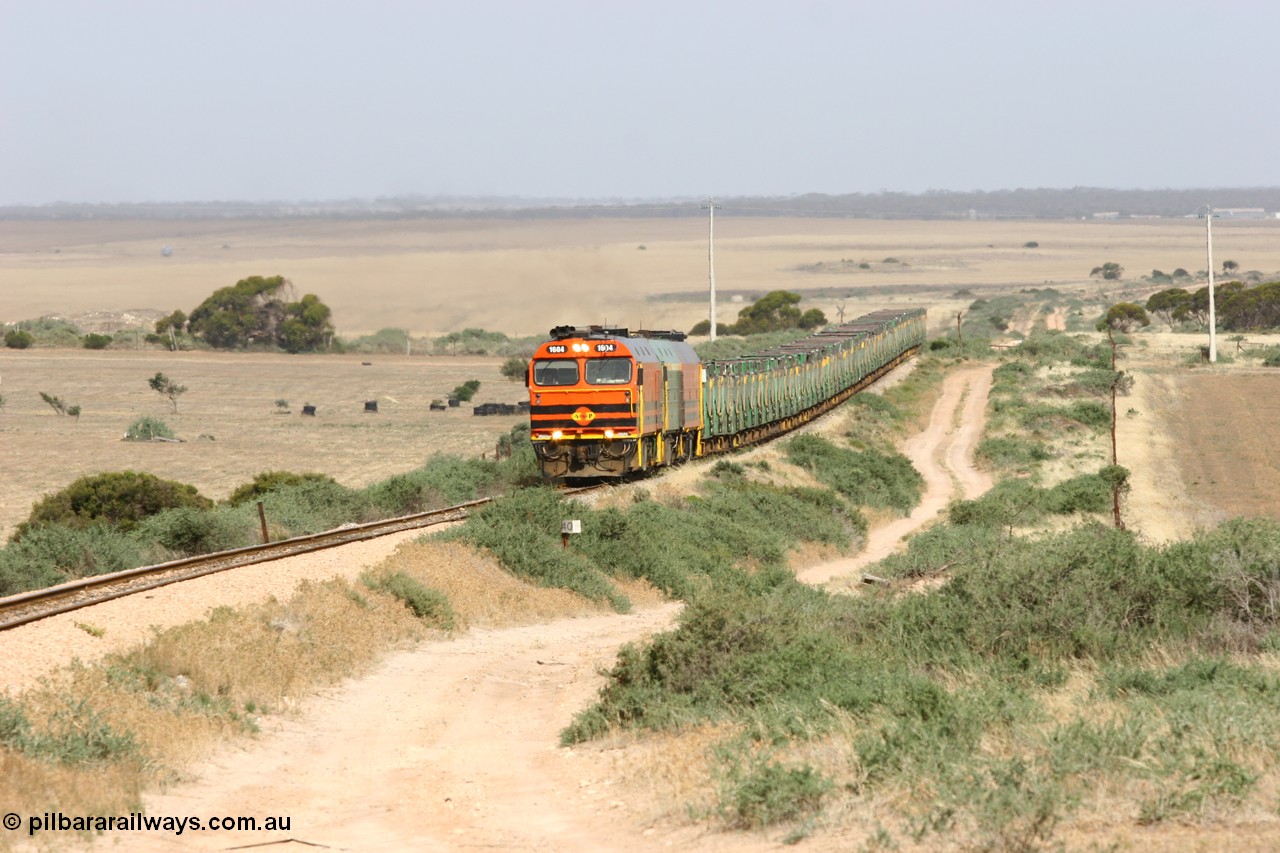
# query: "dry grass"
[480,591]
[197,685]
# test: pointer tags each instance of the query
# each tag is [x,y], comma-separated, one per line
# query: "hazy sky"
[184,100]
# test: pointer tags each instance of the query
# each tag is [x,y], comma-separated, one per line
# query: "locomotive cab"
[598,401]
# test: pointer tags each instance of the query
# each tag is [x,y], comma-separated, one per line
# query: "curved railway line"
[37,604]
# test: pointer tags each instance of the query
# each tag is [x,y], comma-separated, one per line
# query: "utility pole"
[710,208]
[1213,316]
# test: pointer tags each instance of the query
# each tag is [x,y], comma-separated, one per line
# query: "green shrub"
[867,478]
[147,428]
[427,604]
[18,339]
[46,554]
[726,470]
[121,498]
[466,390]
[312,505]
[768,793]
[1012,451]
[269,481]
[482,342]
[93,340]
[187,531]
[76,735]
[50,332]
[523,531]
[386,341]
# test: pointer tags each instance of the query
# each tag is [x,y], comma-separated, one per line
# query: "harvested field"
[1232,420]
[228,419]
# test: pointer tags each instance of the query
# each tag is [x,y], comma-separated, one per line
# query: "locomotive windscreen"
[555,371]
[608,371]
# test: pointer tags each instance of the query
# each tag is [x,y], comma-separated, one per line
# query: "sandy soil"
[454,746]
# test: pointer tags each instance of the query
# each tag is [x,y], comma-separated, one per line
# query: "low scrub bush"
[523,531]
[927,684]
[767,792]
[188,532]
[147,428]
[1013,452]
[866,478]
[1019,503]
[74,735]
[269,481]
[1270,356]
[93,340]
[120,498]
[51,553]
[311,506]
[429,605]
[1078,413]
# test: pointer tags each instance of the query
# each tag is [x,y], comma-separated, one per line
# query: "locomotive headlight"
[556,435]
[608,433]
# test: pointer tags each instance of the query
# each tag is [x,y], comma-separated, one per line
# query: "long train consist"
[606,402]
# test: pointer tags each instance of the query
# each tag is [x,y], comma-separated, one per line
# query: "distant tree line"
[1037,203]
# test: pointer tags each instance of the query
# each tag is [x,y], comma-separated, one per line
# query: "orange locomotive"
[605,402]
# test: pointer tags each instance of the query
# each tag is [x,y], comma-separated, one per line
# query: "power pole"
[710,208]
[1213,316]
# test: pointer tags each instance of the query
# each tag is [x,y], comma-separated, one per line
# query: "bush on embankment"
[966,691]
[727,532]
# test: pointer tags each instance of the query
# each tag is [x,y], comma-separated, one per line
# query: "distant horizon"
[535,200]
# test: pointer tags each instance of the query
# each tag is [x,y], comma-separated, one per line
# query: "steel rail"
[26,607]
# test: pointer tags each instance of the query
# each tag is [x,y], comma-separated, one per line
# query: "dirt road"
[943,454]
[454,746]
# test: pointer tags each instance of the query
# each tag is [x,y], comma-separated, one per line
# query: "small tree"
[166,387]
[1169,305]
[1229,267]
[1110,271]
[1124,317]
[58,405]
[170,326]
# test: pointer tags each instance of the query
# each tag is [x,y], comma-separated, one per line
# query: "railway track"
[28,607]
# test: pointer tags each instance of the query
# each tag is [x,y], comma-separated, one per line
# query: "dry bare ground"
[453,746]
[1200,443]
